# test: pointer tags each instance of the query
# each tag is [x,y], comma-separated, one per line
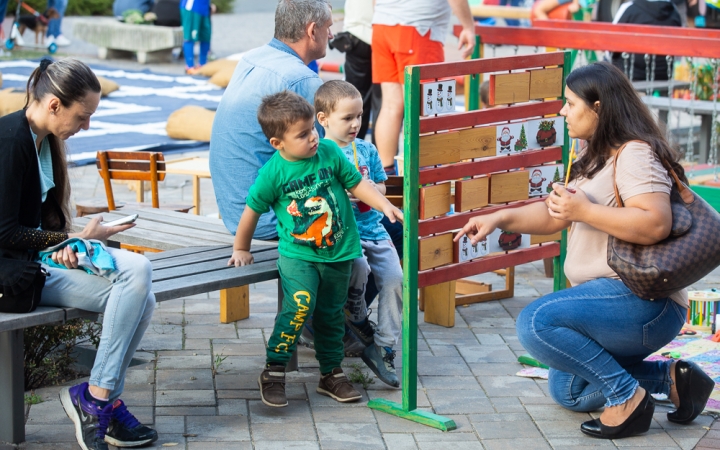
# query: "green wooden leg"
[423,417]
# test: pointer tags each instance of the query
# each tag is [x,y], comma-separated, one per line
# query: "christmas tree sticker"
[556,179]
[521,143]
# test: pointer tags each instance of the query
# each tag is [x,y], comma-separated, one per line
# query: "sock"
[204,49]
[98,401]
[189,52]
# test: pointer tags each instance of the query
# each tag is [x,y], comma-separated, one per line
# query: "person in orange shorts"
[408,32]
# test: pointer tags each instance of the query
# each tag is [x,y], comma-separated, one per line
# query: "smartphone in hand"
[122,221]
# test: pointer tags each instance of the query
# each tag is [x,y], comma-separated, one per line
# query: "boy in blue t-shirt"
[339,110]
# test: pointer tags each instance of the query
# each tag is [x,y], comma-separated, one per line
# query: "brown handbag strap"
[684,192]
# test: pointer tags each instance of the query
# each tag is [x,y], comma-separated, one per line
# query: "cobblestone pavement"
[198,385]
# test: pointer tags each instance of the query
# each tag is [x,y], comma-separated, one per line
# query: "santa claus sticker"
[507,136]
[541,177]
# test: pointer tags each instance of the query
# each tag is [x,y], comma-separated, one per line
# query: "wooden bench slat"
[157,257]
[214,265]
[222,254]
[43,315]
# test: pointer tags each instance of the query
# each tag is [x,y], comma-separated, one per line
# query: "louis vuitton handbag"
[690,252]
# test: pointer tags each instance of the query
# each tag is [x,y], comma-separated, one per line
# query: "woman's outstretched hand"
[477,228]
[95,230]
[567,204]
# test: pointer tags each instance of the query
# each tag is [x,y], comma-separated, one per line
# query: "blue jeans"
[595,337]
[55,25]
[127,304]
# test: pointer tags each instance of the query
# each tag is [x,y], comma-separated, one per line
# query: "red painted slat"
[601,40]
[472,66]
[488,116]
[458,220]
[490,165]
[487,264]
[627,28]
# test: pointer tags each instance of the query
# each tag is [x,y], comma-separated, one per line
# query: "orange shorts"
[397,46]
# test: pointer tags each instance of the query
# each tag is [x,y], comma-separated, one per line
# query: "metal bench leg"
[234,304]
[292,365]
[12,387]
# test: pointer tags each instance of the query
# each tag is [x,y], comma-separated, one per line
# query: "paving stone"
[232,381]
[170,306]
[515,444]
[505,386]
[187,352]
[154,341]
[210,331]
[37,446]
[197,344]
[398,441]
[262,432]
[494,323]
[166,440]
[258,320]
[239,349]
[169,425]
[555,412]
[495,330]
[245,336]
[688,439]
[445,437]
[559,428]
[436,365]
[197,379]
[581,442]
[185,411]
[275,445]
[488,354]
[699,423]
[494,369]
[458,402]
[202,319]
[50,433]
[453,445]
[536,401]
[654,438]
[338,414]
[519,429]
[47,412]
[184,362]
[218,428]
[507,405]
[219,446]
[232,407]
[453,383]
[139,376]
[295,412]
[138,395]
[243,364]
[202,306]
[444,350]
[185,398]
[239,394]
[349,436]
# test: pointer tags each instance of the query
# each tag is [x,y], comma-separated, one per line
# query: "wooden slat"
[609,41]
[137,156]
[394,185]
[488,116]
[434,200]
[132,166]
[542,238]
[158,258]
[435,251]
[472,194]
[490,165]
[439,304]
[207,282]
[509,88]
[213,253]
[234,304]
[509,186]
[628,28]
[446,148]
[487,264]
[217,264]
[457,221]
[43,315]
[473,66]
[545,83]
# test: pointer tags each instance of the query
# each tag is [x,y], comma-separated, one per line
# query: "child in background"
[195,17]
[339,109]
[304,183]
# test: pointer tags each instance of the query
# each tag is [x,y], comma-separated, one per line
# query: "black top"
[22,207]
[644,12]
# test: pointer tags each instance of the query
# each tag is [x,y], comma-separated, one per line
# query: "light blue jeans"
[54,28]
[595,337]
[127,304]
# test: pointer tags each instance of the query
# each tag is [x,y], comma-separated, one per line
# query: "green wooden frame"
[408,408]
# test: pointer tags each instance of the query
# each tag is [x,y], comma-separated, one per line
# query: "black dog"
[37,25]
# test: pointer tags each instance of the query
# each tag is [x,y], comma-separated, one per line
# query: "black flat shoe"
[637,423]
[693,388]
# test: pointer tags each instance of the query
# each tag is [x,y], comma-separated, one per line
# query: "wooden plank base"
[234,304]
[439,304]
[419,416]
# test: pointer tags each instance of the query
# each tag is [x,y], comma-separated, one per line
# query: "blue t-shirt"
[370,166]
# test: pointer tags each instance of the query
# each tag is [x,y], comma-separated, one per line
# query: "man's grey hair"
[293,16]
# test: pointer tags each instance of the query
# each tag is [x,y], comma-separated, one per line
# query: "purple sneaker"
[125,430]
[91,421]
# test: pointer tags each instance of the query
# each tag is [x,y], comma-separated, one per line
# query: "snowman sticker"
[504,139]
[536,182]
[440,99]
[450,98]
[429,102]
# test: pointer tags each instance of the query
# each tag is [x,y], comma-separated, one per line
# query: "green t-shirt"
[315,219]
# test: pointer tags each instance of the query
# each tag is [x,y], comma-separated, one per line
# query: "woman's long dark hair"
[70,81]
[622,117]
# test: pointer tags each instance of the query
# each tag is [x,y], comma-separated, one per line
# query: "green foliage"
[33,399]
[48,350]
[224,6]
[547,125]
[356,375]
[521,143]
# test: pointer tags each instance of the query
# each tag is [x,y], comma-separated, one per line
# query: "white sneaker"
[49,40]
[61,41]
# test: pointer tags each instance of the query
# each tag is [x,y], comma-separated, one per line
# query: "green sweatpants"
[311,289]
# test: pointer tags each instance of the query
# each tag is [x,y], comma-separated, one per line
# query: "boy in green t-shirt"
[304,183]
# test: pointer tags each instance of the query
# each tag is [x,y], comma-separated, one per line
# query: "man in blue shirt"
[238,147]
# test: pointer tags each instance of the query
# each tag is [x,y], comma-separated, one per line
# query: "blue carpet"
[134,117]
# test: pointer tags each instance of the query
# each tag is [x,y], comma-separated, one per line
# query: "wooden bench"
[176,274]
[150,43]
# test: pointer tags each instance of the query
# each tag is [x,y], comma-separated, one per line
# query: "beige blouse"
[639,172]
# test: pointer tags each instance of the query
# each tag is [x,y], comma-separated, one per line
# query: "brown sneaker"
[272,386]
[337,386]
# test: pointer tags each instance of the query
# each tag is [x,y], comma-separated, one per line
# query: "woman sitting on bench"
[35,213]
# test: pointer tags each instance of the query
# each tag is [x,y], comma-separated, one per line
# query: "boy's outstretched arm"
[241,255]
[367,193]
